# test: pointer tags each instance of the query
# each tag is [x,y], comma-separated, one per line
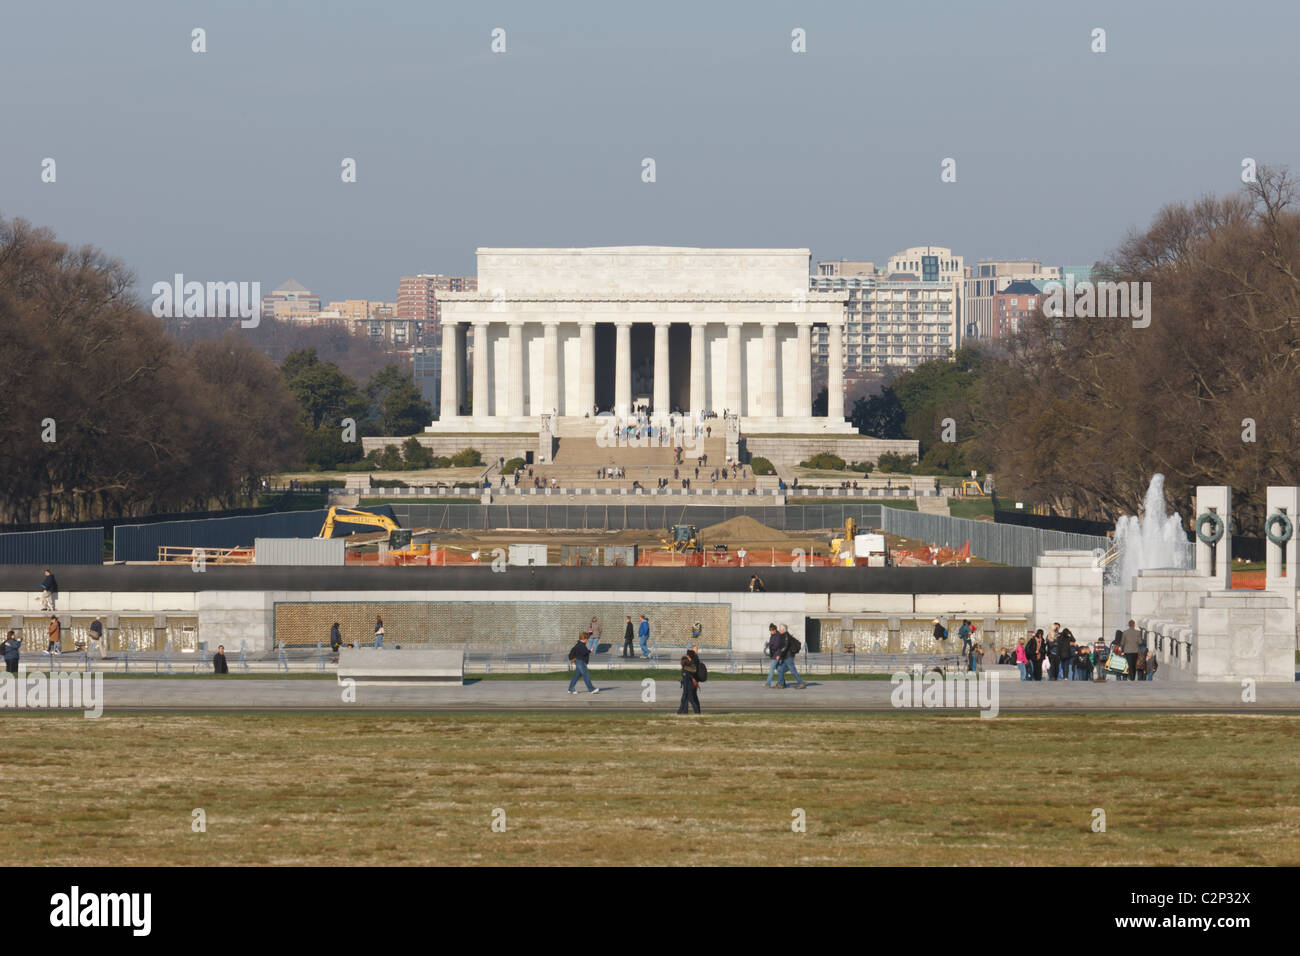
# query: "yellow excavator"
[682,538]
[842,548]
[400,545]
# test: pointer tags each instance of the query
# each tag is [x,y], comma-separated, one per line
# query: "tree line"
[1078,412]
[104,414]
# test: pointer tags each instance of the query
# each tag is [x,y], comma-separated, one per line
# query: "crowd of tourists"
[1059,655]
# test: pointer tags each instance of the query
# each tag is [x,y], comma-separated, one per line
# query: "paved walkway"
[233,693]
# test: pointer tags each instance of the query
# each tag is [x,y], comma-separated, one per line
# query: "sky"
[226,165]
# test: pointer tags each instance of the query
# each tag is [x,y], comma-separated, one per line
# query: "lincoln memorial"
[580,333]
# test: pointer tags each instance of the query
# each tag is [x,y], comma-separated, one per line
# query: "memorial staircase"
[578,458]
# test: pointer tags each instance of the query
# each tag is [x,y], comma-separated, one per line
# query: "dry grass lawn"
[339,789]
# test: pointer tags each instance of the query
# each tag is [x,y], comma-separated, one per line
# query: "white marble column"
[770,409]
[661,402]
[623,369]
[803,371]
[587,373]
[835,374]
[551,371]
[450,392]
[515,387]
[482,384]
[734,382]
[699,374]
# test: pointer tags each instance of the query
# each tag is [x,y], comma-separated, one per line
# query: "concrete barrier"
[368,665]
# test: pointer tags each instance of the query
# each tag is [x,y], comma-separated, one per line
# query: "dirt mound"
[742,528]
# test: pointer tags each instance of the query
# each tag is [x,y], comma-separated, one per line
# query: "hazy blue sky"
[225,165]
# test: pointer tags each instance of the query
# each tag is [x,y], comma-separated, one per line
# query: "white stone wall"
[1068,589]
[1244,634]
[229,617]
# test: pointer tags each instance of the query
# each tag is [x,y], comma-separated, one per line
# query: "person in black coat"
[336,639]
[629,633]
[690,687]
[11,649]
[219,665]
[49,591]
[1036,650]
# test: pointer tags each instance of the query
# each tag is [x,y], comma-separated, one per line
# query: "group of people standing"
[1060,656]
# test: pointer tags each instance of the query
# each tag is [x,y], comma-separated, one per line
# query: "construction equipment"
[970,486]
[842,548]
[400,545]
[682,538]
[858,550]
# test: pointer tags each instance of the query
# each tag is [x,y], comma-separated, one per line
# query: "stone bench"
[373,666]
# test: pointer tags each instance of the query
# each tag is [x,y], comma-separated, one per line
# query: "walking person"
[56,636]
[1130,647]
[219,664]
[773,650]
[336,638]
[790,647]
[595,631]
[964,632]
[643,632]
[940,635]
[379,633]
[11,647]
[627,638]
[49,591]
[579,654]
[690,686]
[96,638]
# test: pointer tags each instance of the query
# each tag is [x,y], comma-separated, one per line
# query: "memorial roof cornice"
[837,296]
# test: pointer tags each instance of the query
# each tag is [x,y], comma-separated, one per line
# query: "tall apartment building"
[291,302]
[986,279]
[898,317]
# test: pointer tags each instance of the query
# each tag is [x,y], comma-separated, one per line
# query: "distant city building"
[1015,304]
[846,267]
[986,279]
[353,310]
[419,306]
[898,317]
[291,302]
[417,300]
[928,264]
